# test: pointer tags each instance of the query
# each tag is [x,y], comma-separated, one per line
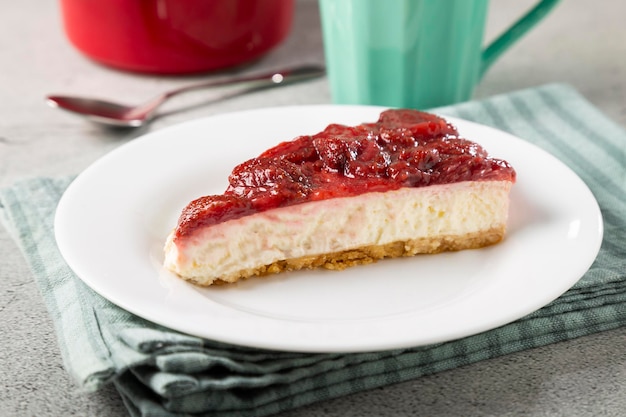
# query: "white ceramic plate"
[112,222]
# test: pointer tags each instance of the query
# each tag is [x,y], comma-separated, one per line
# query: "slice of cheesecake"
[349,195]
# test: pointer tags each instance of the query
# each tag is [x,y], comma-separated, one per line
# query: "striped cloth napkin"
[160,372]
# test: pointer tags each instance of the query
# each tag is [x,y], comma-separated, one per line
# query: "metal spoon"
[115,114]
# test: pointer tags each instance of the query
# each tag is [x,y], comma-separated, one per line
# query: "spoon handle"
[271,78]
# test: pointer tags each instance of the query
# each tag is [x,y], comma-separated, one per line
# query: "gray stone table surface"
[582,43]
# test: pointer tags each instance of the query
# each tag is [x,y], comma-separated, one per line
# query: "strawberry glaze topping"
[404,148]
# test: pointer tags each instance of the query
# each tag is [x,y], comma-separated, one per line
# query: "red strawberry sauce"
[404,148]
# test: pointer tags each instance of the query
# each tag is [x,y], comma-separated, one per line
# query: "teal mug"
[412,53]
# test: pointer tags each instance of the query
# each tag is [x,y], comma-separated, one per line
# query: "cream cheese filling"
[338,224]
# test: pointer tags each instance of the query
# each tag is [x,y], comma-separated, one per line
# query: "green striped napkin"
[160,372]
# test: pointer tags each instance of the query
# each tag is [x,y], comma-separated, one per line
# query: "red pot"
[176,36]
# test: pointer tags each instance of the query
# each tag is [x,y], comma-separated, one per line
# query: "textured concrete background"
[582,43]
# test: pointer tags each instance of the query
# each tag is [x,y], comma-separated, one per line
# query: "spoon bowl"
[100,111]
[119,115]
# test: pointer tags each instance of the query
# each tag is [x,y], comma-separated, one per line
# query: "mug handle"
[493,51]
